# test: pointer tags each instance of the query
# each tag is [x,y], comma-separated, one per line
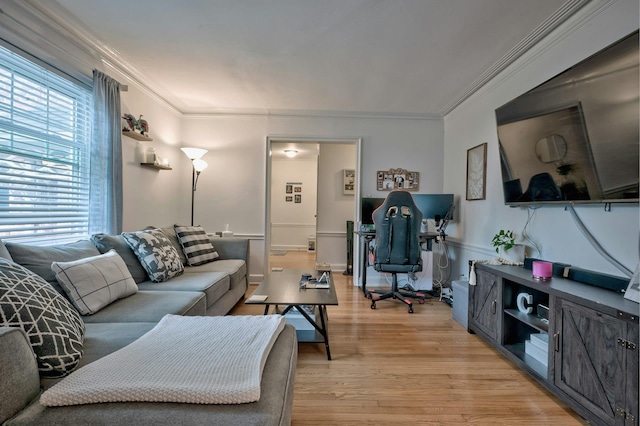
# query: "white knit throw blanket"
[199,360]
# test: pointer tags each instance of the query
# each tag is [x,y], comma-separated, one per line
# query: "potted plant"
[505,246]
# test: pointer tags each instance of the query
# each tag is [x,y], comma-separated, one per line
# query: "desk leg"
[266,309]
[363,270]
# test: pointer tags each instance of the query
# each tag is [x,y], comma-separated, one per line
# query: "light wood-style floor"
[391,367]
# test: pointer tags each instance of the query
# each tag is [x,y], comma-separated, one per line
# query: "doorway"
[315,219]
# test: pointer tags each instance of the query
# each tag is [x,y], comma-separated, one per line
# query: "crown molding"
[310,114]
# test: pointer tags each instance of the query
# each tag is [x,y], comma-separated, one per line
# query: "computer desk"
[366,236]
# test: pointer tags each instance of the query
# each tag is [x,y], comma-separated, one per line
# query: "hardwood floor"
[391,367]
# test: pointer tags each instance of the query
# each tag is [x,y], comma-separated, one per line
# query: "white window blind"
[45,131]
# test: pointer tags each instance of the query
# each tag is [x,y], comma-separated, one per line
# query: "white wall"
[232,189]
[552,227]
[292,223]
[334,207]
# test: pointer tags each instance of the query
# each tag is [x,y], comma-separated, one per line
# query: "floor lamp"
[198,165]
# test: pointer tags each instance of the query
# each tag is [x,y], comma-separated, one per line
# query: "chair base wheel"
[373,305]
[410,309]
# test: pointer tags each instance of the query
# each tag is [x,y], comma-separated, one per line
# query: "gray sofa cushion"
[273,408]
[53,326]
[236,268]
[105,242]
[213,284]
[151,306]
[156,254]
[20,382]
[94,282]
[38,258]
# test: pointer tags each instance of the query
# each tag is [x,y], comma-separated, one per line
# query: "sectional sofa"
[209,289]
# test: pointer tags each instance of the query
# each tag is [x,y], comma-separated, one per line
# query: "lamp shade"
[194,153]
[199,165]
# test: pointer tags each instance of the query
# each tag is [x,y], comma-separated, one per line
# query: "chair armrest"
[19,377]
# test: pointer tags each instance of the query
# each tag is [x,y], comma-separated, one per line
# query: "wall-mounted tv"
[575,138]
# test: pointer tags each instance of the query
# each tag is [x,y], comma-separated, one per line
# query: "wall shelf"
[156,166]
[137,136]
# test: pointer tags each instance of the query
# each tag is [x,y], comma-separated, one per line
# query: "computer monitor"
[368,206]
[434,206]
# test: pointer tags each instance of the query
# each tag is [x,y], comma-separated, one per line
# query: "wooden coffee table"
[283,288]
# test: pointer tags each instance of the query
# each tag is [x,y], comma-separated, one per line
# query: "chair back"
[397,224]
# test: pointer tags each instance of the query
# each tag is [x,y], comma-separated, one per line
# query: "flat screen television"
[575,138]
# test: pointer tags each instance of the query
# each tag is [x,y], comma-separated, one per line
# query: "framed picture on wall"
[297,189]
[289,189]
[397,179]
[477,172]
[298,198]
[289,199]
[349,181]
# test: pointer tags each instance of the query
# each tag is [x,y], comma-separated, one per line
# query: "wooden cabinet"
[590,354]
[596,362]
[483,304]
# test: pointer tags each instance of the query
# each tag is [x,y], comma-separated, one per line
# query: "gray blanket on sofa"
[200,360]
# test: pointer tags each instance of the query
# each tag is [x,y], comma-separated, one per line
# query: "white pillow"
[94,282]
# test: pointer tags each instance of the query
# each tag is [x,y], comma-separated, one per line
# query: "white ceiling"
[373,57]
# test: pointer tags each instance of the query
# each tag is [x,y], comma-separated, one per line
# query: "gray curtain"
[105,207]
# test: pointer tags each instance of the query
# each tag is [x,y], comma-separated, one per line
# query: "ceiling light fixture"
[290,153]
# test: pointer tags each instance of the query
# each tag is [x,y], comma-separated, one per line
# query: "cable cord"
[597,245]
[531,212]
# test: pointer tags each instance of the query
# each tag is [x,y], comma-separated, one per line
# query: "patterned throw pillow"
[54,327]
[156,254]
[196,245]
[94,282]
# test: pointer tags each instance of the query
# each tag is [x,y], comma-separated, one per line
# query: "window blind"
[45,132]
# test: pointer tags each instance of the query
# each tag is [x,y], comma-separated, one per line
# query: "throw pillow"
[95,282]
[106,242]
[196,245]
[156,254]
[54,327]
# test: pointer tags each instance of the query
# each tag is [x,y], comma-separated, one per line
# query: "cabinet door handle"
[494,304]
[556,342]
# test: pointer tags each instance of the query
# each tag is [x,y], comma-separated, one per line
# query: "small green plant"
[504,239]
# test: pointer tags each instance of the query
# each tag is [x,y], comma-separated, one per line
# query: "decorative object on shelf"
[477,172]
[633,290]
[150,156]
[507,249]
[494,261]
[349,180]
[198,165]
[139,126]
[521,300]
[397,179]
[542,271]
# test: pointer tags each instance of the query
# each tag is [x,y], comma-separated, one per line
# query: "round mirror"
[551,148]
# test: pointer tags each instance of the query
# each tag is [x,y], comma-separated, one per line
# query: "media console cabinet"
[590,340]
